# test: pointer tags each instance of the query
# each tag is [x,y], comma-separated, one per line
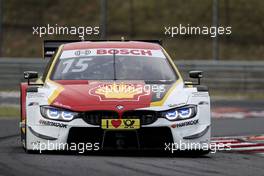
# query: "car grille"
[146,117]
[94,117]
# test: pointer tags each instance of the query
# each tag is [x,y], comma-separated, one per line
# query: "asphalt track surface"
[14,161]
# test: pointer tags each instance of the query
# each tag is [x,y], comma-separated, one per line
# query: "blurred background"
[135,19]
[233,64]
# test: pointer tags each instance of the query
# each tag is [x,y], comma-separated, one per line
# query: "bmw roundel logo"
[87,52]
[77,53]
[82,52]
[119,107]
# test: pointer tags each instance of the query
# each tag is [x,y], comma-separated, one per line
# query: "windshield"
[113,67]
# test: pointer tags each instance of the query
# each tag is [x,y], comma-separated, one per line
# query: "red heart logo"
[116,123]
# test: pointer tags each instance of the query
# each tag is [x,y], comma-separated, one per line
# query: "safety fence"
[227,76]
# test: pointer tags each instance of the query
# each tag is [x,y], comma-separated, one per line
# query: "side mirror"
[30,75]
[197,75]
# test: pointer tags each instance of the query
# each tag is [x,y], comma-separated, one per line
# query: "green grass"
[9,112]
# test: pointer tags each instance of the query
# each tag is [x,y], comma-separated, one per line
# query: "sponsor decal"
[111,51]
[183,124]
[138,52]
[200,94]
[120,124]
[33,104]
[118,92]
[49,52]
[55,124]
[35,95]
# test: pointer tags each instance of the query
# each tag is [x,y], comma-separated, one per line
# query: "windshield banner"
[110,51]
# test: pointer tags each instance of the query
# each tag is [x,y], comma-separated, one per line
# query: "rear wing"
[50,46]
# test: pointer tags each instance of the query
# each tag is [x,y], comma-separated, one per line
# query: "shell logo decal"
[119,92]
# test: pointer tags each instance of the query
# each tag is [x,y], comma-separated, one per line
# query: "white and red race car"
[113,95]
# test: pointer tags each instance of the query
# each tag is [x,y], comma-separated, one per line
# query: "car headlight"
[54,113]
[181,113]
[171,115]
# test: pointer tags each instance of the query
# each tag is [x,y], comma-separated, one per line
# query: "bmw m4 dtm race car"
[112,95]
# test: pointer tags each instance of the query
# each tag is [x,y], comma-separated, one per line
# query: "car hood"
[107,95]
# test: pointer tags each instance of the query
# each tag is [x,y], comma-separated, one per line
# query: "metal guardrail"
[228,76]
[12,69]
[238,76]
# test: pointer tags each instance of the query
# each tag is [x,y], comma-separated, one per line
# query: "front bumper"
[155,136]
[140,139]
